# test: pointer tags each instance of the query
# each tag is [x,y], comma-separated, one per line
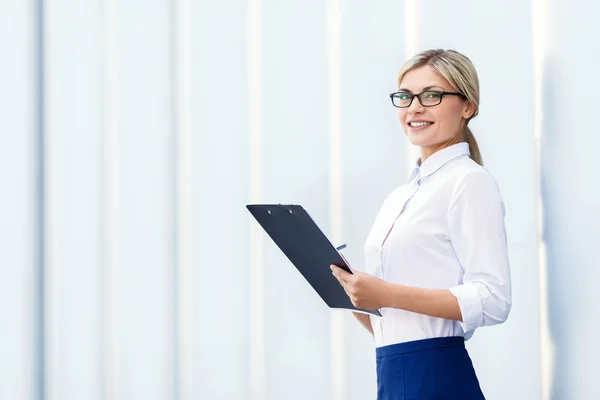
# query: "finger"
[336,276]
[340,273]
[334,270]
[345,286]
[350,294]
[353,299]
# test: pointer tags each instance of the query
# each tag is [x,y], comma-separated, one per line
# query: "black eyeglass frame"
[418,95]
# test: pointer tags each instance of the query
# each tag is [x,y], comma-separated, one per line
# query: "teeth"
[417,124]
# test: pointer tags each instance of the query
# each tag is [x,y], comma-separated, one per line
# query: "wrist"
[390,295]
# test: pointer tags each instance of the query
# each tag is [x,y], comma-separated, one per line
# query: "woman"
[436,254]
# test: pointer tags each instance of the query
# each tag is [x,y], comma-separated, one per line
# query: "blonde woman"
[436,255]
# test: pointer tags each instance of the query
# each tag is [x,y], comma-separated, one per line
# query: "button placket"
[416,183]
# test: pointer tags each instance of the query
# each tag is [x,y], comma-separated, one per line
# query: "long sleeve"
[478,235]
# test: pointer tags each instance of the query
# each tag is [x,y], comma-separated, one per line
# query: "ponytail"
[473,146]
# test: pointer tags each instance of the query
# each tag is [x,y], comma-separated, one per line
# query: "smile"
[419,124]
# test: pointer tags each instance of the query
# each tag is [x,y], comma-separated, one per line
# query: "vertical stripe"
[52,113]
[40,372]
[335,195]
[111,290]
[411,44]
[257,334]
[184,279]
[539,49]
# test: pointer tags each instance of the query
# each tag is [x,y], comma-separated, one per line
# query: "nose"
[416,106]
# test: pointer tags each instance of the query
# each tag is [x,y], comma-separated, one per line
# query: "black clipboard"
[306,246]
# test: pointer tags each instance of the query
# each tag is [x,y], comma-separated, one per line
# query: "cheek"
[402,118]
[447,118]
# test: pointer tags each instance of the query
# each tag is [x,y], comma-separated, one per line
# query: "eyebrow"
[426,88]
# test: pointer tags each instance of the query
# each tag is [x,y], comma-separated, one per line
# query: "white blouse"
[444,229]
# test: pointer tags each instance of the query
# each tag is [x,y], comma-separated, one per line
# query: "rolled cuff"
[470,306]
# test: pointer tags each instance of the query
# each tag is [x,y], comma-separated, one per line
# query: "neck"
[428,151]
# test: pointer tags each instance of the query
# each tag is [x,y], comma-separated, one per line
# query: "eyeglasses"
[427,99]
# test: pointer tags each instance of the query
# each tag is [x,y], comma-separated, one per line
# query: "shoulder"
[467,173]
[471,181]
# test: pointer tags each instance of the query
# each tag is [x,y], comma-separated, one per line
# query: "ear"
[469,110]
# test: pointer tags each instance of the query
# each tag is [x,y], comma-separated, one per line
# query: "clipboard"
[306,246]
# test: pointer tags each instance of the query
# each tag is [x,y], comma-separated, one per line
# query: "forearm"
[433,302]
[364,321]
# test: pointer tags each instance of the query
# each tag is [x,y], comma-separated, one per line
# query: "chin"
[419,140]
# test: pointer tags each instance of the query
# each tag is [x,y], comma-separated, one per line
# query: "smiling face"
[432,128]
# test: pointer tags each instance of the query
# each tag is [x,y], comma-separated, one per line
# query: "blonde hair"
[460,72]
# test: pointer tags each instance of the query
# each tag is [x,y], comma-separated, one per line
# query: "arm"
[478,235]
[370,293]
[476,227]
[433,302]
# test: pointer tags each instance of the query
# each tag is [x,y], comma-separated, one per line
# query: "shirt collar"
[438,159]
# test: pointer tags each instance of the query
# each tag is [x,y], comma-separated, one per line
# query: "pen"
[341,247]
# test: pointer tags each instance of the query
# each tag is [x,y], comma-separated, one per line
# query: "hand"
[364,290]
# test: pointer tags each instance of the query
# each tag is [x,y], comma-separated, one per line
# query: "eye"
[403,96]
[431,95]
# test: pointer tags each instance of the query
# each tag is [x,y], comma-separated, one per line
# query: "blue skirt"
[429,369]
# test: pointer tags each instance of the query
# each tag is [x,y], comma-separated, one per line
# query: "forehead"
[417,79]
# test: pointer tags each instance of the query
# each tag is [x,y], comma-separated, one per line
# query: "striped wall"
[133,133]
